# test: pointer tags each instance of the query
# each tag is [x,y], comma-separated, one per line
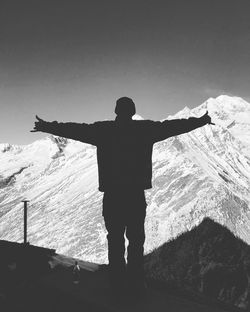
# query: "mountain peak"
[235,103]
[225,97]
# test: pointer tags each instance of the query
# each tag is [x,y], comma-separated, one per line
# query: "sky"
[71,60]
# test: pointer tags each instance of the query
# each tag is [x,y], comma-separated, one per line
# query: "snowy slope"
[203,173]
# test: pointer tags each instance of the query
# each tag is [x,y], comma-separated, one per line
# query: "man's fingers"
[39,119]
[38,124]
[210,122]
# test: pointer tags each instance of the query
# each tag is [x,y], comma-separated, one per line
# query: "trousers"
[124,213]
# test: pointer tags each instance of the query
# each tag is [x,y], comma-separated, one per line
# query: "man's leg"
[136,235]
[115,225]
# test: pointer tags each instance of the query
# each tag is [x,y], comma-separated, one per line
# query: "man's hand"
[39,125]
[208,118]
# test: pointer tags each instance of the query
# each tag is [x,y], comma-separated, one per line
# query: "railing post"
[25,220]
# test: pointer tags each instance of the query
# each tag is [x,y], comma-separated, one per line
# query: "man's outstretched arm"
[82,132]
[174,127]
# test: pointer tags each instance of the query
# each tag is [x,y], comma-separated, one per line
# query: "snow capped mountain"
[203,173]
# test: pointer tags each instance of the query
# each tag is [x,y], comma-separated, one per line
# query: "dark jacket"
[124,148]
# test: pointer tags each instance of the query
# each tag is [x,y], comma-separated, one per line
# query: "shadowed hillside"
[209,259]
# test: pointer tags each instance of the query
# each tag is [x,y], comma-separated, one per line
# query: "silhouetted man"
[124,156]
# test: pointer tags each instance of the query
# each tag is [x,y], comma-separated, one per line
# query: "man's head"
[125,107]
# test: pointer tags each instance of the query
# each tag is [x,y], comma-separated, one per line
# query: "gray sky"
[70,60]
